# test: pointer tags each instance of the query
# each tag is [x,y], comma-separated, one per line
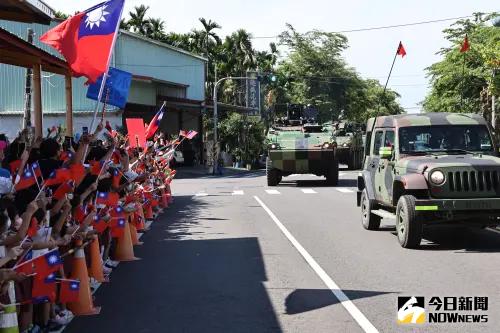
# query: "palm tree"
[155,29]
[208,35]
[138,22]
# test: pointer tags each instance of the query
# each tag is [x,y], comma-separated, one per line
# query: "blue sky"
[370,52]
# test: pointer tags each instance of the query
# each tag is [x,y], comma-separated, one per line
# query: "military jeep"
[434,169]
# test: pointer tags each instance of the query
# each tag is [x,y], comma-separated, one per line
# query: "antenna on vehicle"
[402,52]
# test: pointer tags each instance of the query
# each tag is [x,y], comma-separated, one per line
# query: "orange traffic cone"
[133,235]
[95,269]
[139,221]
[85,305]
[124,248]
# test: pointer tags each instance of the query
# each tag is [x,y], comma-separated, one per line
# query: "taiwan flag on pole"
[86,39]
[155,123]
[47,263]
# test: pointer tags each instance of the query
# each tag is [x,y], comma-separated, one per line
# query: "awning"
[18,52]
[29,11]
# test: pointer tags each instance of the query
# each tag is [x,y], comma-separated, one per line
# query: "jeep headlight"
[437,177]
[274,146]
[327,145]
[345,145]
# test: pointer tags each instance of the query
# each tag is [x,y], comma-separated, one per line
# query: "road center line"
[309,191]
[344,190]
[238,192]
[360,318]
[273,192]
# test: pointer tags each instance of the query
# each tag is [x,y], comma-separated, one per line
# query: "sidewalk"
[202,172]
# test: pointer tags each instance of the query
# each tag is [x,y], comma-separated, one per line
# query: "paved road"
[235,256]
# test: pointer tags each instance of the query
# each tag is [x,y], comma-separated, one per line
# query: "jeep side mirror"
[385,153]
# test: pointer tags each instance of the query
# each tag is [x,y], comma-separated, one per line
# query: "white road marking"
[273,192]
[238,192]
[344,190]
[341,174]
[201,194]
[360,318]
[309,191]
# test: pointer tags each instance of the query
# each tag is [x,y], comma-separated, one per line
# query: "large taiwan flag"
[85,40]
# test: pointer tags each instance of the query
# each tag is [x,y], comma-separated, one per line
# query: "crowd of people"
[61,198]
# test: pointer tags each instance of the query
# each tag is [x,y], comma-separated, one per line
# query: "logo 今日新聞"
[411,310]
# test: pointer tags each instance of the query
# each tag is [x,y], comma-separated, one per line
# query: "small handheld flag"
[69,291]
[155,123]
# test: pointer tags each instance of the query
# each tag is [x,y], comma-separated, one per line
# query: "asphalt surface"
[232,255]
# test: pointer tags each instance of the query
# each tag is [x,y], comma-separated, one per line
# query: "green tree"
[315,73]
[138,22]
[242,136]
[155,29]
[459,78]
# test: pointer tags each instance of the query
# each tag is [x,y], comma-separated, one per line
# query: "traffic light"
[267,78]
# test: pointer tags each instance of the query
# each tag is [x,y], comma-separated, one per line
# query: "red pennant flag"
[85,43]
[465,45]
[69,292]
[401,50]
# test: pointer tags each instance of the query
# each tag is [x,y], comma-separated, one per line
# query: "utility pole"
[27,95]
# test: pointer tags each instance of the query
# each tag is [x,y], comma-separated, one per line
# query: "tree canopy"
[459,78]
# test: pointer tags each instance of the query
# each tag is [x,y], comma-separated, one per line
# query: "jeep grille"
[472,183]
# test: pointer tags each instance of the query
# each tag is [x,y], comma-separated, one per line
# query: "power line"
[383,27]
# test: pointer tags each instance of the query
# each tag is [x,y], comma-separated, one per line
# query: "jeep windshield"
[459,139]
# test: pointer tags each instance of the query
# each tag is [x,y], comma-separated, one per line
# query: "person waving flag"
[86,39]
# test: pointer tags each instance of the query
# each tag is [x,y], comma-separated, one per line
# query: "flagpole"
[105,75]
[463,83]
[385,87]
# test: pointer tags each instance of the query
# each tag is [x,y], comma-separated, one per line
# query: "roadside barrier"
[85,305]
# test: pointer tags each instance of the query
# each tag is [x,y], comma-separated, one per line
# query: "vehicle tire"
[368,220]
[351,160]
[408,223]
[280,177]
[272,177]
[332,174]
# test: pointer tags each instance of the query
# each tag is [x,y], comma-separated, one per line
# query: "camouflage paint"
[300,152]
[464,170]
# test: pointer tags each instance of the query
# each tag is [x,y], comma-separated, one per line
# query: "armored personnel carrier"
[349,139]
[297,144]
[432,169]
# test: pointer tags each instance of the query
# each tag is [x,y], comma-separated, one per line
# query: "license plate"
[478,205]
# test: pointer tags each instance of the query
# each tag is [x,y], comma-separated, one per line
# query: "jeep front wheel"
[369,220]
[408,223]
